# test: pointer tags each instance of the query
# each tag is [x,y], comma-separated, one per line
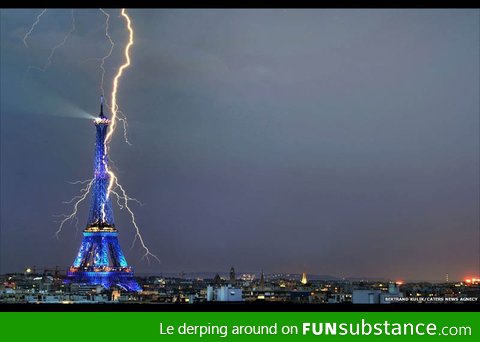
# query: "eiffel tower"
[100,260]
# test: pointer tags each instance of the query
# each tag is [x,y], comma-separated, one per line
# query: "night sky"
[339,142]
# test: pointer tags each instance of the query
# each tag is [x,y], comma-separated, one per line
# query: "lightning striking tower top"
[101,105]
[100,259]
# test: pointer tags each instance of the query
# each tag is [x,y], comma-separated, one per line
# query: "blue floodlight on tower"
[100,260]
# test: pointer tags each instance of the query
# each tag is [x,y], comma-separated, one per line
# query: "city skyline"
[334,142]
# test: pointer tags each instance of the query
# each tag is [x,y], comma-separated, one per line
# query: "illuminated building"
[233,278]
[304,278]
[377,296]
[472,281]
[100,260]
[228,294]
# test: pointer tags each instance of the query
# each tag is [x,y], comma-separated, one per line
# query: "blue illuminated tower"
[100,260]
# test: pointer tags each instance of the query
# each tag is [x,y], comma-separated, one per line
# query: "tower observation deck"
[100,260]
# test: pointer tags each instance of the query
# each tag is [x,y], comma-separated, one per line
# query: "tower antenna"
[101,105]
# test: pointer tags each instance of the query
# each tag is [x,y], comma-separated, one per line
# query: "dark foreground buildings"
[49,286]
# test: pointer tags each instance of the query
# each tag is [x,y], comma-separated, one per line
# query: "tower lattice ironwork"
[100,260]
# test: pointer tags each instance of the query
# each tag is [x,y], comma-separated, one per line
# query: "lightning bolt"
[112,45]
[80,182]
[78,199]
[118,115]
[114,106]
[121,115]
[123,196]
[33,27]
[54,49]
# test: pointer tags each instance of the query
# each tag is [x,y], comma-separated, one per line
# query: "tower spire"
[101,213]
[101,105]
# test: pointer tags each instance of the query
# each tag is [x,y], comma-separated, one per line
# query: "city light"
[472,281]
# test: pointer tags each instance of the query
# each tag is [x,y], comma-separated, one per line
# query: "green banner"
[239,326]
